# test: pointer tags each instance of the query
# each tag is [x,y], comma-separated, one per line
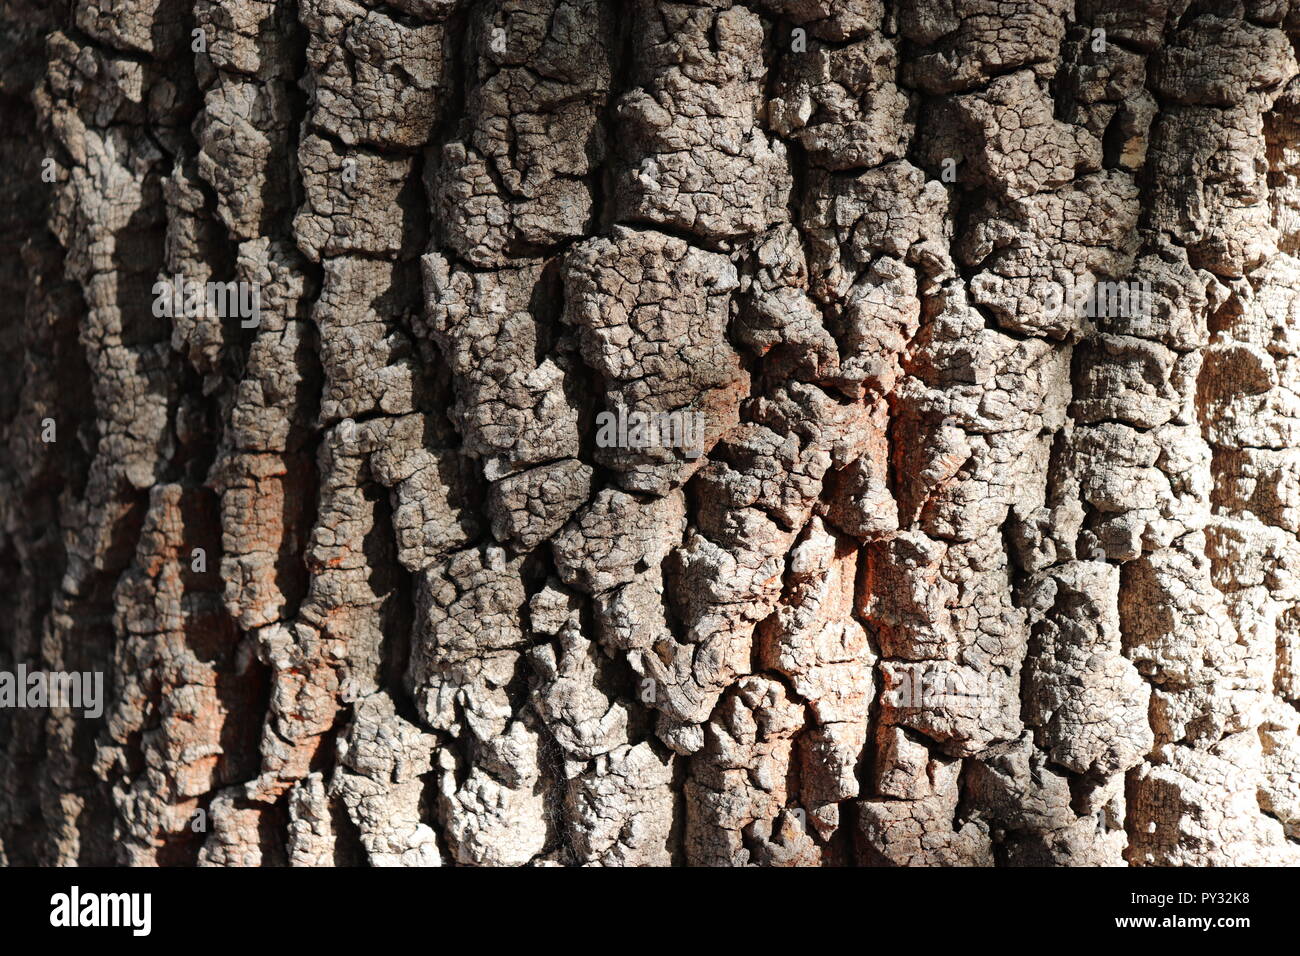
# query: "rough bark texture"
[953,577]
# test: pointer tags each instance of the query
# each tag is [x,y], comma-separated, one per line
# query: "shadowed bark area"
[779,432]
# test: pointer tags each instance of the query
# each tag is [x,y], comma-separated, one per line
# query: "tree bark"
[963,530]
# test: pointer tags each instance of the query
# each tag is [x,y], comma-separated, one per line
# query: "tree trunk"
[781,432]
